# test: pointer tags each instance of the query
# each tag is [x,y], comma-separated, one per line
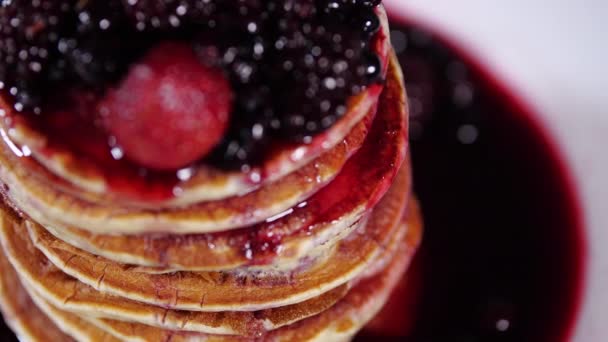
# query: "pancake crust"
[38,326]
[65,292]
[317,242]
[213,291]
[222,291]
[20,313]
[160,253]
[338,323]
[71,324]
[68,293]
[183,290]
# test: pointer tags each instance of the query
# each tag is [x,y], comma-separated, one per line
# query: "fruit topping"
[291,66]
[170,110]
[29,30]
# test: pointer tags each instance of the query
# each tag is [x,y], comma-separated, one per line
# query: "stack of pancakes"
[308,246]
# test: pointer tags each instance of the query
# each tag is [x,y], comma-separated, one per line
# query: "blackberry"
[367,20]
[99,17]
[367,3]
[96,62]
[242,52]
[102,44]
[28,32]
[304,52]
[320,54]
[149,15]
[248,136]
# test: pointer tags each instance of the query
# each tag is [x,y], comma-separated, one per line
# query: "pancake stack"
[306,247]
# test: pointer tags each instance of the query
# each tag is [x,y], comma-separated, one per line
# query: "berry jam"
[501,257]
[292,64]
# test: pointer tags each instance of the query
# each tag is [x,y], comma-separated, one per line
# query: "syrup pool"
[501,258]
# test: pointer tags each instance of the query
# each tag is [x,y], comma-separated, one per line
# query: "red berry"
[170,110]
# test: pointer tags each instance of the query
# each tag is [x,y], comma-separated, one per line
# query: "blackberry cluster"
[29,32]
[322,60]
[47,45]
[292,63]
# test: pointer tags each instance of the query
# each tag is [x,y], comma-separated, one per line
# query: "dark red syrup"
[73,128]
[502,254]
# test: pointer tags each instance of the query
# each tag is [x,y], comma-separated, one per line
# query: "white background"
[554,55]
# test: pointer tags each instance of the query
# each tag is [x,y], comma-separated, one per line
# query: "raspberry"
[170,110]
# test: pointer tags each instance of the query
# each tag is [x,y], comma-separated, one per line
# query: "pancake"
[338,323]
[82,300]
[183,290]
[214,250]
[20,313]
[218,291]
[387,141]
[275,245]
[346,318]
[238,248]
[207,183]
[37,319]
[71,324]
[67,293]
[269,200]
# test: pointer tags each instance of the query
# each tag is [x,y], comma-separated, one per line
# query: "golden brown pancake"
[71,324]
[63,291]
[214,249]
[207,183]
[214,291]
[68,293]
[183,290]
[225,250]
[20,313]
[338,323]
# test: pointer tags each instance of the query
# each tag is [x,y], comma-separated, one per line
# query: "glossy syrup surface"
[501,256]
[291,65]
